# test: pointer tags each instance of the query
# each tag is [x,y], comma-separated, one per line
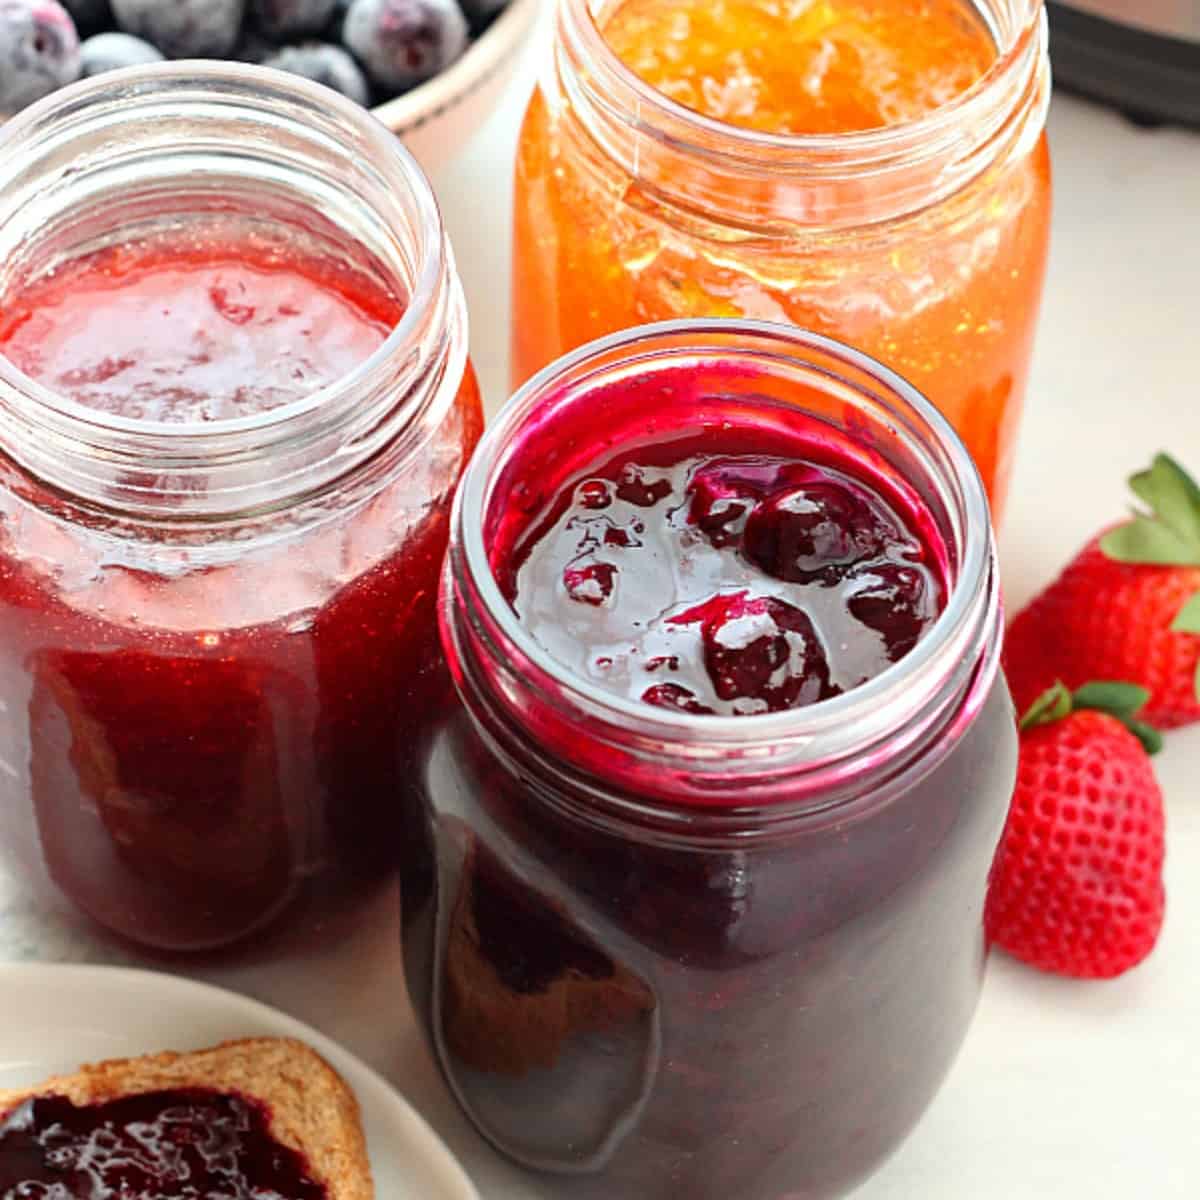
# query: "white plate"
[52,1018]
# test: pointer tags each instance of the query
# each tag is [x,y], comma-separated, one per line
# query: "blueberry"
[252,47]
[110,51]
[481,13]
[90,16]
[283,19]
[404,42]
[326,64]
[39,51]
[183,28]
[337,18]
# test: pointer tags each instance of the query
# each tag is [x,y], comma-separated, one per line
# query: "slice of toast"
[310,1108]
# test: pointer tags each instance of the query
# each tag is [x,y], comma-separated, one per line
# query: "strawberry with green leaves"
[1126,607]
[1077,885]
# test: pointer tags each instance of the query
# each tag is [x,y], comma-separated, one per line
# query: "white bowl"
[436,119]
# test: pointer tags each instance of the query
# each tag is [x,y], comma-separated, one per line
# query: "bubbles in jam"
[188,1144]
[728,584]
[207,332]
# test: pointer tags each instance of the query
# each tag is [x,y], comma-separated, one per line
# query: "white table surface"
[1065,1090]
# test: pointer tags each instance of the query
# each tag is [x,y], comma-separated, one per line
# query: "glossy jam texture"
[201,736]
[803,66]
[173,1145]
[203,333]
[722,583]
[946,293]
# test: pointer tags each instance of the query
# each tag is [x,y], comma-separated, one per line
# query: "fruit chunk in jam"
[210,333]
[723,583]
[821,66]
[170,1145]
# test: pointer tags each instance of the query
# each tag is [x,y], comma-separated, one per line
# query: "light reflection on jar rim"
[963,642]
[314,146]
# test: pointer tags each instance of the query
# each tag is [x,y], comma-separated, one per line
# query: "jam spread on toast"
[188,1144]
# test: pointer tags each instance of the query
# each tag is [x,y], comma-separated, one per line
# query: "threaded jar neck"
[161,151]
[743,179]
[531,707]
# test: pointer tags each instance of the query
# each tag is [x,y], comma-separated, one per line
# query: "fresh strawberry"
[1127,607]
[1077,885]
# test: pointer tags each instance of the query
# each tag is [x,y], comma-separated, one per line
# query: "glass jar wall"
[923,241]
[234,404]
[676,954]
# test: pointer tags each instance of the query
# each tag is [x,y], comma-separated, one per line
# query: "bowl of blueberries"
[431,70]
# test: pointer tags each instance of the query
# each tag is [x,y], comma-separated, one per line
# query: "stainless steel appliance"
[1141,55]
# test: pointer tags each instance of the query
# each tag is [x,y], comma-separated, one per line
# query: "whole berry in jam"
[39,51]
[183,28]
[282,19]
[730,584]
[723,495]
[112,51]
[325,64]
[762,654]
[814,532]
[404,42]
[895,600]
[90,16]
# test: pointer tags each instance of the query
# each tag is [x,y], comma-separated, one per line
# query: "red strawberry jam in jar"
[706,843]
[234,404]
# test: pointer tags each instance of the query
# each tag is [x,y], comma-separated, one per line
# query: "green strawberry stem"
[1168,535]
[1120,700]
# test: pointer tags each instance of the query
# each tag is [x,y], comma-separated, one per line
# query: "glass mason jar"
[705,956]
[923,244]
[212,630]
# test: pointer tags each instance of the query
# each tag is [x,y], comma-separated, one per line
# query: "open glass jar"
[706,956]
[923,243]
[220,529]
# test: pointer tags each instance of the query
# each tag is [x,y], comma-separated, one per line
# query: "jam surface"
[204,332]
[803,66]
[732,584]
[172,1145]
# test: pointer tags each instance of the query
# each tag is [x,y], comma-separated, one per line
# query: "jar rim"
[847,712]
[209,79]
[790,184]
[580,25]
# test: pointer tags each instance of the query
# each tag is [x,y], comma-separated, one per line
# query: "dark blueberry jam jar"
[699,906]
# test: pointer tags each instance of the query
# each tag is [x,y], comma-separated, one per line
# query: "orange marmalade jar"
[874,170]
